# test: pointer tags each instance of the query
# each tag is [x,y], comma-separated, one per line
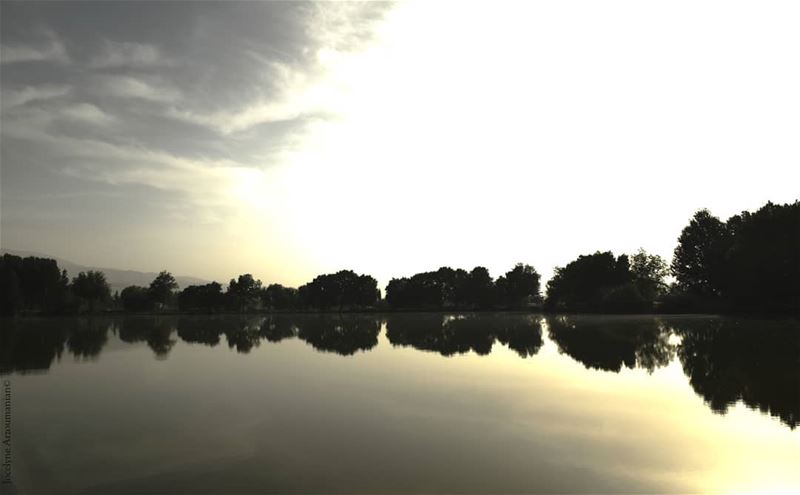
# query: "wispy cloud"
[10,98]
[256,113]
[204,185]
[131,87]
[127,54]
[293,93]
[50,49]
[87,113]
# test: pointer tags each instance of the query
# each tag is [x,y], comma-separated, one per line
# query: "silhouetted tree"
[457,289]
[208,297]
[91,286]
[479,289]
[518,287]
[594,282]
[162,287]
[11,293]
[649,273]
[763,262]
[278,297]
[343,289]
[31,283]
[421,291]
[244,293]
[749,263]
[699,260]
[135,298]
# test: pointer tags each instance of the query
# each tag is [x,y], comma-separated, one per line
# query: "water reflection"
[450,335]
[340,334]
[86,337]
[200,330]
[30,346]
[278,327]
[343,335]
[726,360]
[757,362]
[611,342]
[155,331]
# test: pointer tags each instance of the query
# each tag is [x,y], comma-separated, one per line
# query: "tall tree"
[244,293]
[32,283]
[162,287]
[10,292]
[91,286]
[135,298]
[339,290]
[518,286]
[279,297]
[763,262]
[649,274]
[479,288]
[591,283]
[699,260]
[206,297]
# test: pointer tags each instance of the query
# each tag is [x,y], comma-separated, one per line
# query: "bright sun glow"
[485,142]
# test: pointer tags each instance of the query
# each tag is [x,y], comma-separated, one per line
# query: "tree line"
[751,262]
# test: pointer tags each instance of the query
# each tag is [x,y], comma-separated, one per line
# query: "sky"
[289,139]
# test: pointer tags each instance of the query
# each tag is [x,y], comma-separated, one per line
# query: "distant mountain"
[117,279]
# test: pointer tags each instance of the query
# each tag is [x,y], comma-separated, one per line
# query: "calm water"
[403,403]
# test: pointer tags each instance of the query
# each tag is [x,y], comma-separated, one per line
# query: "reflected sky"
[404,403]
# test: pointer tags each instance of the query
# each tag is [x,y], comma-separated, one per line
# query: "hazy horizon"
[292,139]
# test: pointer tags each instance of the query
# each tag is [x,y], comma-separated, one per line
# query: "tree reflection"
[155,331]
[200,330]
[342,334]
[87,337]
[755,361]
[726,360]
[242,334]
[450,335]
[522,334]
[609,343]
[278,327]
[30,346]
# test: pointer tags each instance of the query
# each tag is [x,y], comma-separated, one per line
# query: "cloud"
[344,26]
[87,113]
[126,54]
[50,50]
[131,87]
[247,117]
[293,93]
[203,188]
[10,98]
[203,185]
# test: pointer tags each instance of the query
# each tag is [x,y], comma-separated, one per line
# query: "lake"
[401,403]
